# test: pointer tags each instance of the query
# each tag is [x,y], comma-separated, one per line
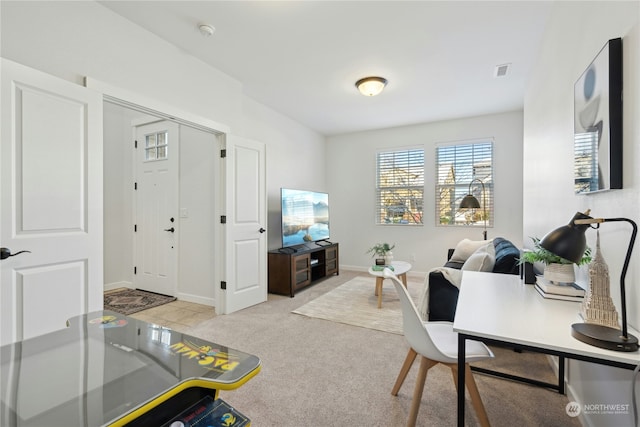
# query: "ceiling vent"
[502,70]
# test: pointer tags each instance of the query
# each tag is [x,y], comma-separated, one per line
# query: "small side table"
[400,269]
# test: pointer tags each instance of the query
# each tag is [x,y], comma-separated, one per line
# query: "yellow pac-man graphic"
[103,319]
[228,419]
[205,356]
[105,322]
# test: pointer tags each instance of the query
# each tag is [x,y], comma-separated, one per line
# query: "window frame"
[469,171]
[413,205]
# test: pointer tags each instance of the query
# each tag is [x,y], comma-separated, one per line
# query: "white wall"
[199,177]
[72,40]
[295,159]
[351,169]
[576,33]
[118,197]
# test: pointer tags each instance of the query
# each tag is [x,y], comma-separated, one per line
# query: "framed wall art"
[598,122]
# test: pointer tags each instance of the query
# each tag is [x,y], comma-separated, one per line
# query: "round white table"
[400,269]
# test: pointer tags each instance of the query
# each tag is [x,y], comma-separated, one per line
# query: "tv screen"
[305,216]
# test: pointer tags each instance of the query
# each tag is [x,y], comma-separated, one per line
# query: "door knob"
[6,253]
[171,230]
[262,230]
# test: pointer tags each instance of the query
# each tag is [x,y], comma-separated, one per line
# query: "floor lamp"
[569,242]
[471,202]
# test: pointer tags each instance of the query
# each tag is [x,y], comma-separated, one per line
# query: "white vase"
[559,273]
[388,258]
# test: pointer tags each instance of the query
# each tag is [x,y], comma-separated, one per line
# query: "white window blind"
[457,166]
[400,187]
[586,162]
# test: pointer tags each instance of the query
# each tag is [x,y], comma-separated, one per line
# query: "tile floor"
[177,315]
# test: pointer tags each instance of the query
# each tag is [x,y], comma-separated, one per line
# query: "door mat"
[129,301]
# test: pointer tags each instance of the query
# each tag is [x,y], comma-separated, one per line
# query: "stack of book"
[562,291]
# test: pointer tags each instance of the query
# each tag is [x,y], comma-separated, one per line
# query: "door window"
[156,146]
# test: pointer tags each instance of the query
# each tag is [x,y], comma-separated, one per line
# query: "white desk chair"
[436,343]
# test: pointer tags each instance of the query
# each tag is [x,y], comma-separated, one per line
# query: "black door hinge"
[223,219]
[135,143]
[223,153]
[135,270]
[135,185]
[223,285]
[135,228]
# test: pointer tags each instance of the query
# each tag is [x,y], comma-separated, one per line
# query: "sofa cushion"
[483,259]
[443,298]
[465,248]
[507,256]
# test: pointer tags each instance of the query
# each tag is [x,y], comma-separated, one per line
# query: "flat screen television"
[305,216]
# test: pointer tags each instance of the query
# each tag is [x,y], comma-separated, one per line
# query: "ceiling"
[302,58]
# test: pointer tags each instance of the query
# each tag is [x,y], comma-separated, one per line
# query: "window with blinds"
[461,169]
[400,187]
[586,162]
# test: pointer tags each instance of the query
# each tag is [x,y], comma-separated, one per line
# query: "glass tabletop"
[105,365]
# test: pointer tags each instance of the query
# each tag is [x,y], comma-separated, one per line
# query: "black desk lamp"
[471,202]
[569,242]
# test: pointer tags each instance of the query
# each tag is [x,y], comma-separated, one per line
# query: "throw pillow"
[482,259]
[507,256]
[466,248]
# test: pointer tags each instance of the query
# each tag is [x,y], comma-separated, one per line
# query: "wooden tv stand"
[291,269]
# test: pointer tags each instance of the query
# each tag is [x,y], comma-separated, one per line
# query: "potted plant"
[383,252]
[557,269]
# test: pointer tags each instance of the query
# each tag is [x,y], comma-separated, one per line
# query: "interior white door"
[51,194]
[156,193]
[245,234]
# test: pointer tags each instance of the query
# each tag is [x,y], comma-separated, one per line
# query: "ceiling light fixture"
[206,29]
[371,86]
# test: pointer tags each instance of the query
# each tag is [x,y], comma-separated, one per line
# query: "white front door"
[245,234]
[156,193]
[51,194]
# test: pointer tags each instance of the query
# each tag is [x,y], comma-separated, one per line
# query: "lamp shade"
[469,202]
[569,241]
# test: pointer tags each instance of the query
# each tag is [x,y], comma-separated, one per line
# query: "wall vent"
[502,70]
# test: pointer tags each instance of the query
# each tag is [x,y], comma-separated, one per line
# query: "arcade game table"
[106,369]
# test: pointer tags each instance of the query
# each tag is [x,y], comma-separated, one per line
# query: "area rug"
[128,301]
[354,303]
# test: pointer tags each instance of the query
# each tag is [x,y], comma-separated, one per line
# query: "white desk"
[498,308]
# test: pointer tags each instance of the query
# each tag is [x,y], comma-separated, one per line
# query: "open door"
[246,218]
[51,193]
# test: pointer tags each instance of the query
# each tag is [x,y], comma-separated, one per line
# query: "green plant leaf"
[540,254]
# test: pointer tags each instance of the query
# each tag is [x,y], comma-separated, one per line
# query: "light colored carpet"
[321,373]
[354,303]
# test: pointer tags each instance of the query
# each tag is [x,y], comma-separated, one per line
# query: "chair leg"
[406,366]
[425,365]
[475,397]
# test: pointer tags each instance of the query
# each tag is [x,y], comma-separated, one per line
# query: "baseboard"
[211,302]
[116,285]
